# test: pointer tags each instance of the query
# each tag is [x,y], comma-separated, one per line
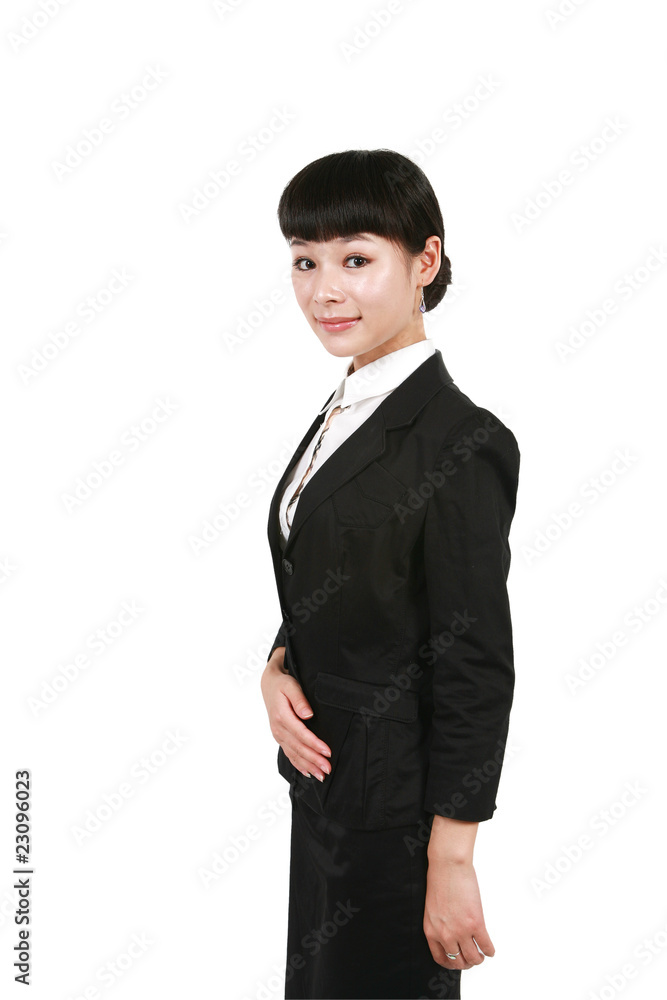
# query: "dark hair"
[367,191]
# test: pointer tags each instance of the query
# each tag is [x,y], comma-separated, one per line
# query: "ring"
[452,957]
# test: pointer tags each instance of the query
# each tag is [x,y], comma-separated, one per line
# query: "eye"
[306,260]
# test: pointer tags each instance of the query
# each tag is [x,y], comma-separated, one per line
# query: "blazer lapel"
[274,522]
[362,447]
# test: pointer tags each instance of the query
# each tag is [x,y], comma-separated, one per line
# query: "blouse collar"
[380,376]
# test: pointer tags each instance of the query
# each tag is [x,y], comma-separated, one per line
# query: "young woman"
[390,681]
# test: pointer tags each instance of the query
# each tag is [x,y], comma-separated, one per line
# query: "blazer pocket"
[367,500]
[372,700]
[373,725]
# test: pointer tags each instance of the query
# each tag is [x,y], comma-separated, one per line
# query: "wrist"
[277,661]
[452,841]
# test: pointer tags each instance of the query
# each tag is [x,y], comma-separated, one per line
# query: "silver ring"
[452,957]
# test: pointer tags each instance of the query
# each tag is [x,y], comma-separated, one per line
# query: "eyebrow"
[340,239]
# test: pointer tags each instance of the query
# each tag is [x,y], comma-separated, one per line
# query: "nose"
[322,297]
[327,291]
[325,286]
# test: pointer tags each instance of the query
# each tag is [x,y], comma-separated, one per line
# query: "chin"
[337,350]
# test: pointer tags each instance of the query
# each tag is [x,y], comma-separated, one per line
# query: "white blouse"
[359,393]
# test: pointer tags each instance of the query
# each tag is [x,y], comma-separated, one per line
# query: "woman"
[390,682]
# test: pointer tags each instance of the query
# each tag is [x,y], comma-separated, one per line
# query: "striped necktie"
[336,410]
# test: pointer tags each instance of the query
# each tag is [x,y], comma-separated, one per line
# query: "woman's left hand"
[453,918]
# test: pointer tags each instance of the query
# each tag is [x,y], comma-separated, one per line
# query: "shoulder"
[457,423]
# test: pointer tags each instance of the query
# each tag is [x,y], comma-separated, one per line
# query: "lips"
[335,323]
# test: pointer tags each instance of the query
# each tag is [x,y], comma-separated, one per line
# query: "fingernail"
[321,777]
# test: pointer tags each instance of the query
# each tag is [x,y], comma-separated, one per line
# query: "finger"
[440,956]
[307,761]
[300,704]
[301,754]
[310,739]
[484,942]
[470,953]
[300,732]
[309,770]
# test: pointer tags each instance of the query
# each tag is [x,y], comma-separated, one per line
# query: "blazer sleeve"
[466,560]
[278,641]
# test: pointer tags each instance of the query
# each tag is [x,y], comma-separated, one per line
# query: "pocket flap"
[379,484]
[381,701]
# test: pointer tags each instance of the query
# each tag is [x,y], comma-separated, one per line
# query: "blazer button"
[287,566]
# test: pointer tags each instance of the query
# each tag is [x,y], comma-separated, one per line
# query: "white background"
[240,390]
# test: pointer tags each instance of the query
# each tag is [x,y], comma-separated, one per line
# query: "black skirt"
[356,910]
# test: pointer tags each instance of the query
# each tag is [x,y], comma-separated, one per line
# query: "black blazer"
[396,619]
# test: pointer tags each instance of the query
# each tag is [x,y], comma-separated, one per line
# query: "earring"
[422,307]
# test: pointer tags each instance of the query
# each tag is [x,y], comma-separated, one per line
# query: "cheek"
[383,290]
[302,292]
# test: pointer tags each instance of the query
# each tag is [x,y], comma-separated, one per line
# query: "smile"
[336,326]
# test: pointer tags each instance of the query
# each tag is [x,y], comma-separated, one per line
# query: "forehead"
[364,237]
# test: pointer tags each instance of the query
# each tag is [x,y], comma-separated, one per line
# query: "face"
[362,287]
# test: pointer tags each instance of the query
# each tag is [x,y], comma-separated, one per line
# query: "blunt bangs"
[358,191]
